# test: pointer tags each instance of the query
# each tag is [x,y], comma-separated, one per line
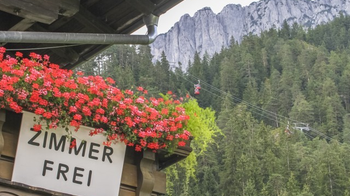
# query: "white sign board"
[44,159]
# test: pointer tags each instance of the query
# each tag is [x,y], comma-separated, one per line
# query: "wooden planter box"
[141,174]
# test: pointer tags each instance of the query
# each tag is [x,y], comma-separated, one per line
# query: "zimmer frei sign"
[44,159]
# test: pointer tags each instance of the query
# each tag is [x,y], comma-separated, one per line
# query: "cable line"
[272,114]
[43,48]
[259,111]
[270,118]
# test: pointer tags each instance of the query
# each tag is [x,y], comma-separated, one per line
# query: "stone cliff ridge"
[209,32]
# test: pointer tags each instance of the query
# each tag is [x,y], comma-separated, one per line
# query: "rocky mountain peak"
[209,32]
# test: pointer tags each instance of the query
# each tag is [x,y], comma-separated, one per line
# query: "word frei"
[94,151]
[57,165]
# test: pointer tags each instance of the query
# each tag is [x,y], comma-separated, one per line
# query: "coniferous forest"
[263,90]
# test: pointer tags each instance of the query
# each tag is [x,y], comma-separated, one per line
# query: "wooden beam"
[157,1]
[6,170]
[69,7]
[25,190]
[17,191]
[85,17]
[8,191]
[131,25]
[22,25]
[129,178]
[2,121]
[179,154]
[164,6]
[45,11]
[10,144]
[145,174]
[160,182]
[89,3]
[123,192]
[129,175]
[144,6]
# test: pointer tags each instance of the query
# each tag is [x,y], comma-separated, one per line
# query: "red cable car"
[197,87]
[196,91]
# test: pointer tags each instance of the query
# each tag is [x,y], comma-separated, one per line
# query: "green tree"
[292,186]
[230,77]
[285,31]
[162,74]
[302,111]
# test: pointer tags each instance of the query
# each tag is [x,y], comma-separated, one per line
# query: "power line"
[271,115]
[270,118]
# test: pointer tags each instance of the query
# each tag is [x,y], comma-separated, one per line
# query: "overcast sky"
[167,20]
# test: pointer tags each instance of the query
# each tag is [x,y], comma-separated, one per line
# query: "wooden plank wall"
[129,175]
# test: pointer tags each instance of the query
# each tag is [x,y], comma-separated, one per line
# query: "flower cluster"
[63,98]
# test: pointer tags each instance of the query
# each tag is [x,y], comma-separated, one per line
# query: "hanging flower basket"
[63,98]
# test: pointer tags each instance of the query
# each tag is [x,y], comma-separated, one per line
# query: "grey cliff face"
[207,32]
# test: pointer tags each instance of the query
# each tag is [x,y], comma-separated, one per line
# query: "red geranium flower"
[63,98]
[18,54]
[77,117]
[73,143]
[37,127]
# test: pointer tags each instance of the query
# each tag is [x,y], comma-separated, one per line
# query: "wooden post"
[145,174]
[2,121]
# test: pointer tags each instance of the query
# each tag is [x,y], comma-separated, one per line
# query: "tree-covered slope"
[259,89]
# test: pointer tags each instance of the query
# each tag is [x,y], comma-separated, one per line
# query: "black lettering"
[46,167]
[89,178]
[93,150]
[45,139]
[75,174]
[31,141]
[82,146]
[62,169]
[61,143]
[107,154]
